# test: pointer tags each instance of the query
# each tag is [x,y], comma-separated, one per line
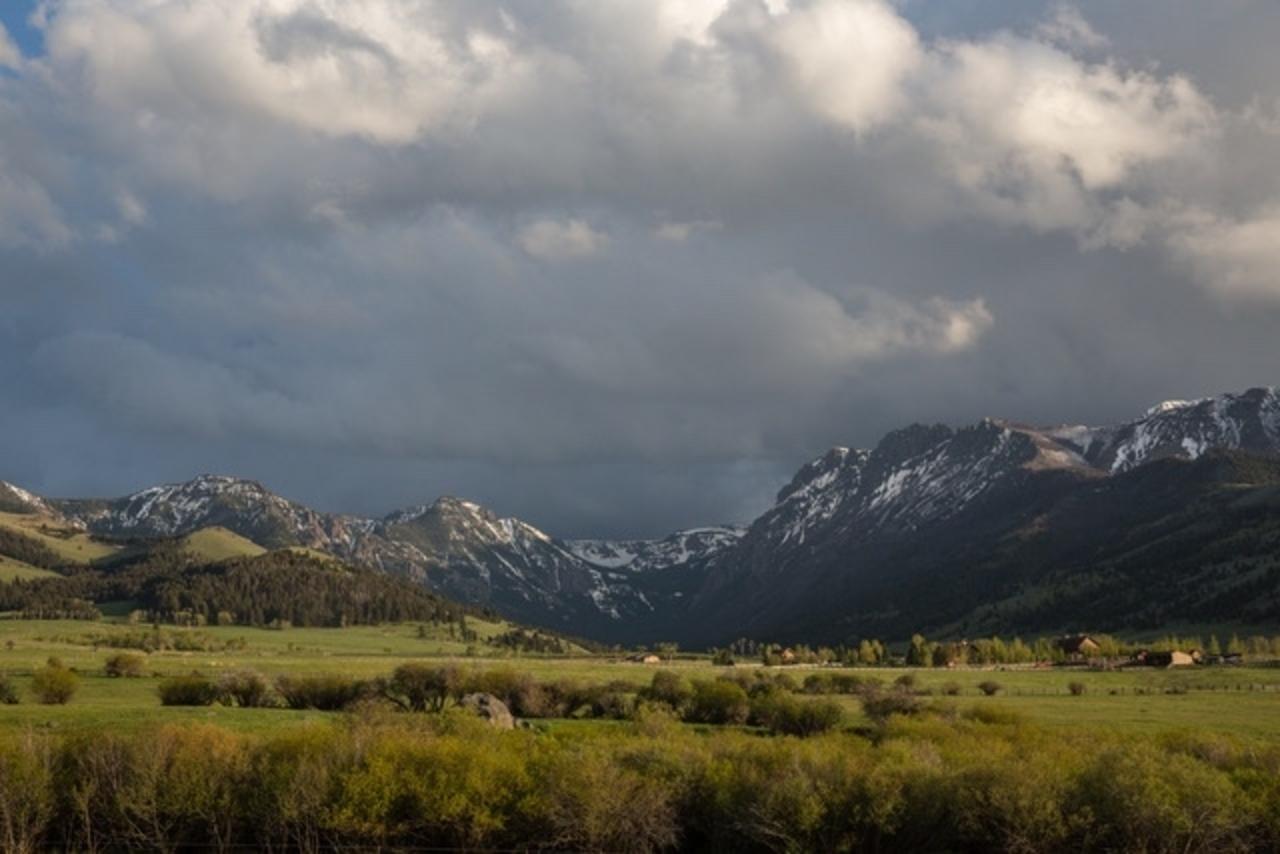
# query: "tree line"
[922,652]
[282,588]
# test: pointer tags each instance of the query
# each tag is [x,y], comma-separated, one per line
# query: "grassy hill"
[16,570]
[218,544]
[71,545]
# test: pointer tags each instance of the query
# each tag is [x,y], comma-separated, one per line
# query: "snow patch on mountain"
[638,556]
[17,497]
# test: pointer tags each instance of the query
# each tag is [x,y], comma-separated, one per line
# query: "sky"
[614,266]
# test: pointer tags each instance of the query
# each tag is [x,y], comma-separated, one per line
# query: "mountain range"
[1172,518]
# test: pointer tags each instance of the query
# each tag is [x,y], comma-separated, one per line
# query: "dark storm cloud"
[613,267]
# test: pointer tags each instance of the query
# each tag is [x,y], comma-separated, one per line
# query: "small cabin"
[1172,658]
[1079,647]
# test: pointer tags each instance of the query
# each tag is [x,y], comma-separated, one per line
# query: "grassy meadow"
[1239,700]
[618,755]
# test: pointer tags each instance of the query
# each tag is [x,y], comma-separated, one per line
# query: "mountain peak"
[1172,406]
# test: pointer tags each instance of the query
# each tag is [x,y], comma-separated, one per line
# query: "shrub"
[951,689]
[906,681]
[536,700]
[54,684]
[592,802]
[8,693]
[125,664]
[28,792]
[1076,688]
[390,782]
[846,683]
[248,689]
[782,713]
[326,693]
[670,688]
[191,690]
[718,702]
[986,714]
[989,688]
[880,706]
[818,683]
[502,682]
[419,688]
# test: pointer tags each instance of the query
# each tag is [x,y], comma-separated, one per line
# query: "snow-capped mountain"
[913,477]
[843,513]
[244,506]
[1182,428]
[920,475]
[455,547]
[467,551]
[852,531]
[682,547]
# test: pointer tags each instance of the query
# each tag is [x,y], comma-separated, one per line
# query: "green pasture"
[16,570]
[70,544]
[1243,700]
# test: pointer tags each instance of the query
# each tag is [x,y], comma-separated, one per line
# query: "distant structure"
[1172,658]
[646,658]
[1078,647]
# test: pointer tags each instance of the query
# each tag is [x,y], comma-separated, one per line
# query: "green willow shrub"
[782,713]
[8,693]
[670,688]
[718,702]
[54,684]
[879,706]
[297,779]
[502,682]
[461,792]
[126,664]
[420,688]
[586,800]
[393,781]
[190,690]
[327,693]
[1146,799]
[818,683]
[248,689]
[27,792]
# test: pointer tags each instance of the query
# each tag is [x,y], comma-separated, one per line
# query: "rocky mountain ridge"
[832,528]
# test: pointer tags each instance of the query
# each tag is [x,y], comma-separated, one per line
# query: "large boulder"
[490,708]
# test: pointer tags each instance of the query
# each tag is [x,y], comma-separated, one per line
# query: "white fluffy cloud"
[574,231]
[557,240]
[1037,137]
[1237,258]
[848,58]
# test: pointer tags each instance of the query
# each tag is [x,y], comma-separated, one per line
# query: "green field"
[218,544]
[70,544]
[16,570]
[1240,700]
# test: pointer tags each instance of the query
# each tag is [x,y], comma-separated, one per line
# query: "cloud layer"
[611,265]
